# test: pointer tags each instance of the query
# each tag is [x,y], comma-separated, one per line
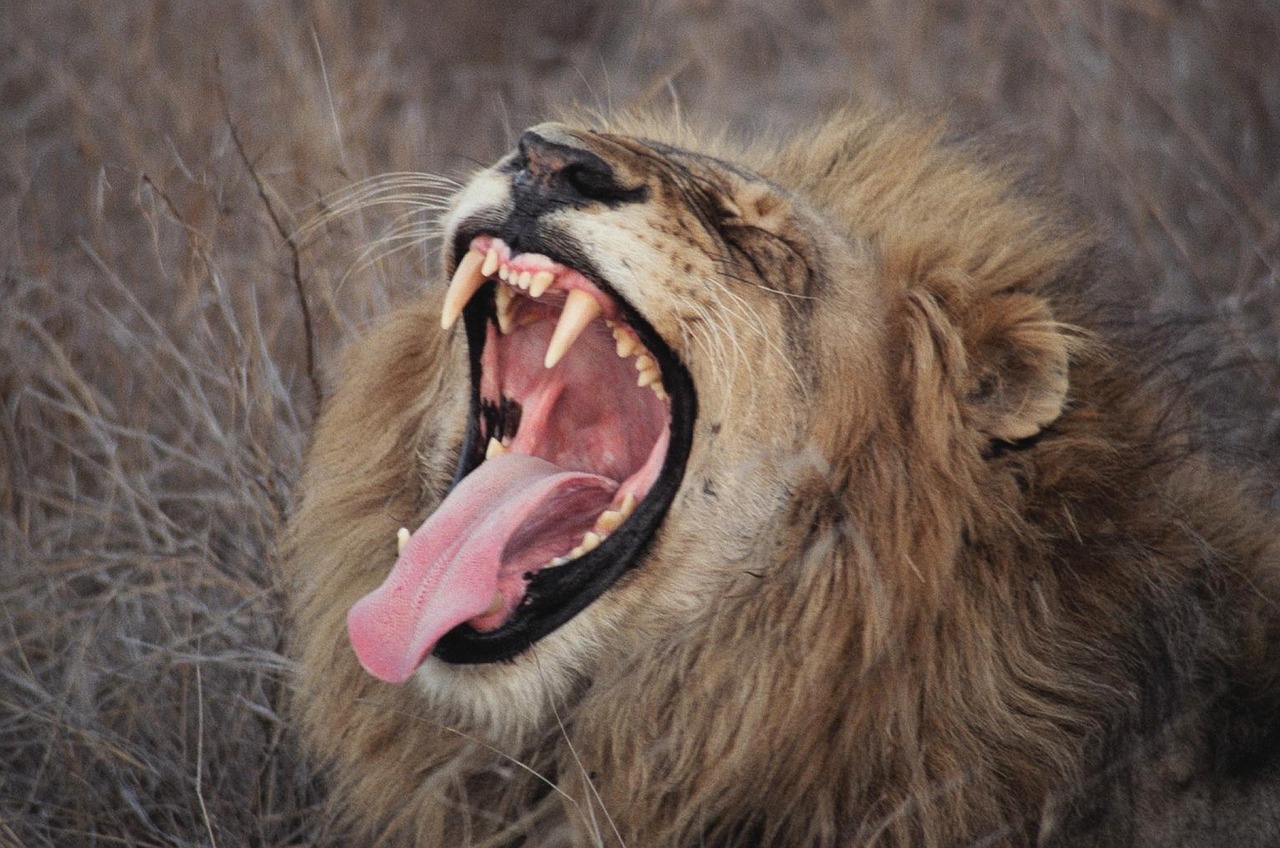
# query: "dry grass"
[155,396]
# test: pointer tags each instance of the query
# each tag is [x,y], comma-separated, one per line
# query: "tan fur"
[941,572]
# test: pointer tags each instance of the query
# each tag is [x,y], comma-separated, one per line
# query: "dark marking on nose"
[550,174]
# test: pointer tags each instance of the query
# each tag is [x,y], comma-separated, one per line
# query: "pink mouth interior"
[587,437]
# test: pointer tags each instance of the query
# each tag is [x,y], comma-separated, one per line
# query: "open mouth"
[580,427]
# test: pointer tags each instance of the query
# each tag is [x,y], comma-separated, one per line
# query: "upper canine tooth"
[580,309]
[541,282]
[466,279]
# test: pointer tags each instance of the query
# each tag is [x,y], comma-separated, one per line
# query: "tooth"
[647,377]
[495,448]
[524,279]
[402,539]
[609,520]
[579,311]
[644,362]
[576,552]
[497,605]
[504,272]
[541,282]
[627,344]
[591,540]
[659,391]
[628,505]
[503,305]
[490,262]
[558,561]
[466,279]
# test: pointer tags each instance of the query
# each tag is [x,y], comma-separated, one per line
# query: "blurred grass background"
[155,395]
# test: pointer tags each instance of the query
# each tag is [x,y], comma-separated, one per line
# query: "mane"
[966,630]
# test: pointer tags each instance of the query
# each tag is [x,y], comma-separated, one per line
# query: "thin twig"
[288,239]
[204,811]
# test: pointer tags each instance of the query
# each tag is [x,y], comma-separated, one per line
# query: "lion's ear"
[1017,371]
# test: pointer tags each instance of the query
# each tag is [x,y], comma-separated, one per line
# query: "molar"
[628,344]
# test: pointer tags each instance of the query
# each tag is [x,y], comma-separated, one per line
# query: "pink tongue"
[448,572]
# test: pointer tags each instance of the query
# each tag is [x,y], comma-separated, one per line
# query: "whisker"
[738,306]
[586,775]
[419,191]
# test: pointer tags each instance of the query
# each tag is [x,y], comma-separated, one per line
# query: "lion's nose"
[562,172]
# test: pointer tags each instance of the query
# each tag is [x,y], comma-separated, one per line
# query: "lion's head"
[646,336]
[707,451]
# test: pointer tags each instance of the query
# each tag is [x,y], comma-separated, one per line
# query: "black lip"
[554,596]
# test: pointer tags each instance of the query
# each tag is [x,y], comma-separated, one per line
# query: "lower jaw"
[555,596]
[504,704]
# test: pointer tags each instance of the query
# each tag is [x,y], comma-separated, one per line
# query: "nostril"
[565,173]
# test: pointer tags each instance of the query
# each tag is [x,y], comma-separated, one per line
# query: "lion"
[746,494]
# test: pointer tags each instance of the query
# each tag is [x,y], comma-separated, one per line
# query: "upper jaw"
[483,300]
[488,233]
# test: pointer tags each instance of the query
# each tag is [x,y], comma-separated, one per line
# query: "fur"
[943,570]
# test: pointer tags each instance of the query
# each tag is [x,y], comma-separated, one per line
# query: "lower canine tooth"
[502,303]
[580,309]
[495,448]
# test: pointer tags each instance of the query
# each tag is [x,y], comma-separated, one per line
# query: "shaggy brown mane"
[1003,602]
